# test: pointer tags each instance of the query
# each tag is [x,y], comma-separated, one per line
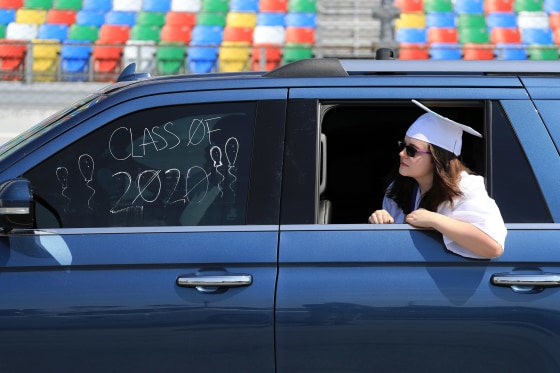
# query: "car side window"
[183,165]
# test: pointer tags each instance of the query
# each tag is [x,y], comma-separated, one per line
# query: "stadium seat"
[114,17]
[471,20]
[411,35]
[411,20]
[273,6]
[127,5]
[53,32]
[145,33]
[106,61]
[150,19]
[218,6]
[90,17]
[21,31]
[244,34]
[269,35]
[413,52]
[267,47]
[301,20]
[440,19]
[12,59]
[211,18]
[35,16]
[45,60]
[180,19]
[99,5]
[478,51]
[438,6]
[68,4]
[2,31]
[190,6]
[468,6]
[442,35]
[502,6]
[83,32]
[532,20]
[510,51]
[241,19]
[445,51]
[170,58]
[38,4]
[202,59]
[542,52]
[234,56]
[296,51]
[11,4]
[410,6]
[143,52]
[75,60]
[554,21]
[176,33]
[528,6]
[163,6]
[59,16]
[271,19]
[244,5]
[501,19]
[305,35]
[505,35]
[473,35]
[540,36]
[551,6]
[114,34]
[7,16]
[302,6]
[207,35]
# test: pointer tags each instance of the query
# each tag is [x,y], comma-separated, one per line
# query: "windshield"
[48,124]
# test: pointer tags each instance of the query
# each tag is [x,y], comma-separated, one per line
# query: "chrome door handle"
[209,283]
[544,280]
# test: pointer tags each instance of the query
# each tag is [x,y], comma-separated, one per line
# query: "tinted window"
[512,177]
[179,165]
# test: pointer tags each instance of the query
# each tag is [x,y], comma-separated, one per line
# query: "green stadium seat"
[68,4]
[170,58]
[83,32]
[38,4]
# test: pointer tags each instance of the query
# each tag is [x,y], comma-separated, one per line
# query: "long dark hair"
[445,186]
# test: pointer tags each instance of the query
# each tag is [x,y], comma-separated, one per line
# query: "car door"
[390,298]
[156,239]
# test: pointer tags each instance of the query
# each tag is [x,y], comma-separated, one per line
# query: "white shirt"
[475,207]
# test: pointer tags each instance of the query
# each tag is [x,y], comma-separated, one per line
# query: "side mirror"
[16,204]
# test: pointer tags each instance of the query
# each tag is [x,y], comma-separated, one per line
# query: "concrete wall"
[23,105]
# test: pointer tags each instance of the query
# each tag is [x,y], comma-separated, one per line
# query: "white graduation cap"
[439,130]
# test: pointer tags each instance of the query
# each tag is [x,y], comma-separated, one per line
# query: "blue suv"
[219,223]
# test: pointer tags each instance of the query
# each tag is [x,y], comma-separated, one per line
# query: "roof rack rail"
[312,67]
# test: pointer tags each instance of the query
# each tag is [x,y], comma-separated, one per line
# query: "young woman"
[433,189]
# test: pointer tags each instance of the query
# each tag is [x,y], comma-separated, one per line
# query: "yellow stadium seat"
[35,16]
[45,59]
[411,20]
[234,56]
[241,19]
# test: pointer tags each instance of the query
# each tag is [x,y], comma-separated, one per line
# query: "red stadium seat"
[180,19]
[176,33]
[300,35]
[114,34]
[62,17]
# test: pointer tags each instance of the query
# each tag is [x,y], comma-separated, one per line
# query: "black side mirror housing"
[16,204]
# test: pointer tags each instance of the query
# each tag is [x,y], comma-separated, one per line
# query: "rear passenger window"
[361,148]
[170,166]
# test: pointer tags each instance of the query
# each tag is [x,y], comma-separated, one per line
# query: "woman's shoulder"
[471,183]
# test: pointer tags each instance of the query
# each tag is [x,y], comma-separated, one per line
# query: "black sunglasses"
[410,150]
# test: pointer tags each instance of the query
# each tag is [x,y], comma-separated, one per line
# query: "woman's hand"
[381,217]
[422,218]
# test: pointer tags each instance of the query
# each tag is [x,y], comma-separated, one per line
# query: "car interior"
[360,142]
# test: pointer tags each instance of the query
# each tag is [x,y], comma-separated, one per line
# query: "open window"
[360,142]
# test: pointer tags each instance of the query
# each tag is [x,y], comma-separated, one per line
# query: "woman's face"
[420,167]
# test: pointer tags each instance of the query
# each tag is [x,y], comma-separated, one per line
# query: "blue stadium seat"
[7,16]
[510,51]
[440,19]
[53,32]
[156,6]
[445,51]
[301,19]
[551,6]
[271,19]
[105,5]
[207,35]
[501,19]
[90,17]
[469,6]
[74,60]
[115,17]
[541,36]
[411,35]
[202,59]
[244,5]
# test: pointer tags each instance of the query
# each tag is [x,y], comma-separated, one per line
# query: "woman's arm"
[465,234]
